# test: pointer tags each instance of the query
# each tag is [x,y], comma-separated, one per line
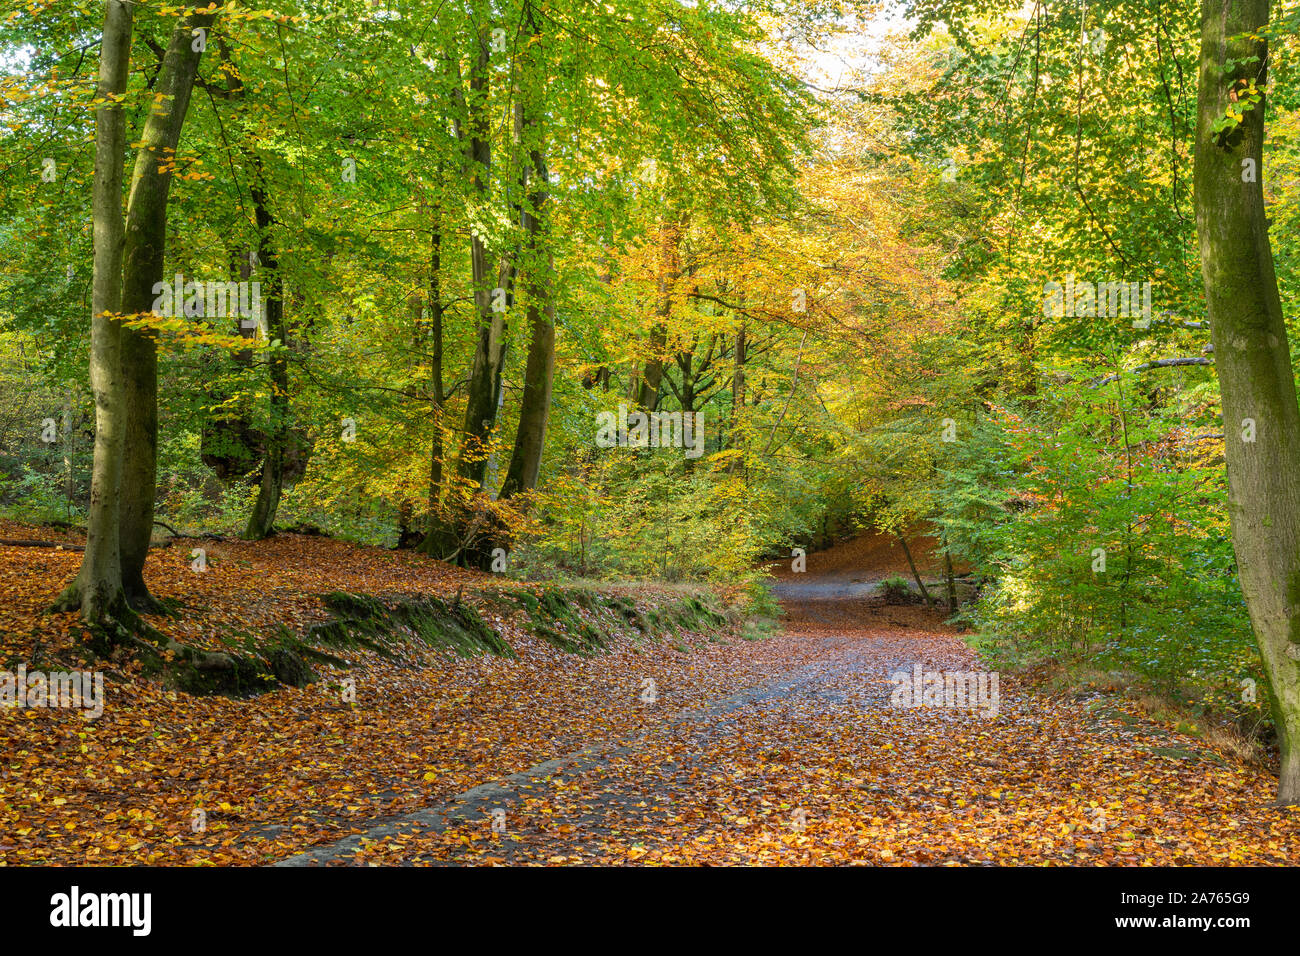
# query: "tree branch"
[1147,366]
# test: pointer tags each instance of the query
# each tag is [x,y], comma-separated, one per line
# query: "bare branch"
[1147,366]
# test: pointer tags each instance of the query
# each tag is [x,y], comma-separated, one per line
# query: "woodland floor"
[783,750]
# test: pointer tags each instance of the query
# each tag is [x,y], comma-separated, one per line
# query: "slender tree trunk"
[738,385]
[1252,360]
[916,575]
[600,374]
[97,589]
[146,229]
[952,585]
[439,539]
[737,464]
[69,454]
[261,523]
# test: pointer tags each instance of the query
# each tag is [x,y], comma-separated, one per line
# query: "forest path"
[818,766]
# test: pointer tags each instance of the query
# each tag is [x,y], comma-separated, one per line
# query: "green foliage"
[697,186]
[1072,156]
[645,515]
[1110,545]
[37,498]
[898,590]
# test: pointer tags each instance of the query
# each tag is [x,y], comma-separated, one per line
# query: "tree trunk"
[69,454]
[952,585]
[530,438]
[670,236]
[97,589]
[1252,361]
[735,437]
[439,539]
[539,368]
[916,575]
[146,229]
[261,523]
[484,388]
[600,374]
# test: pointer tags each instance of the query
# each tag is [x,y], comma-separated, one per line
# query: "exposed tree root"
[117,626]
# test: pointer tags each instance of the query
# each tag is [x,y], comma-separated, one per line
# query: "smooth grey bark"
[97,588]
[146,228]
[1252,359]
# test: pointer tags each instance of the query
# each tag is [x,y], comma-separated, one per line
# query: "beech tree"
[97,590]
[1252,355]
[143,264]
